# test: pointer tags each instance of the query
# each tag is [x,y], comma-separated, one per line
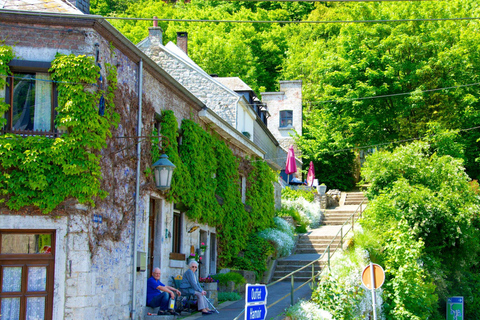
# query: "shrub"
[255,255]
[283,242]
[302,222]
[308,211]
[291,194]
[307,310]
[224,278]
[229,296]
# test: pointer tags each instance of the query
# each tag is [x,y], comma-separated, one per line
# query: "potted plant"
[210,285]
[322,189]
[203,248]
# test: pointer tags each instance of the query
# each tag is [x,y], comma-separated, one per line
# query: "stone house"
[286,116]
[230,98]
[84,261]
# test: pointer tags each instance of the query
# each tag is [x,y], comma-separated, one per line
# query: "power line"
[300,22]
[330,0]
[397,94]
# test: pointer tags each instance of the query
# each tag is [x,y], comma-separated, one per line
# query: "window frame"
[26,261]
[27,66]
[282,118]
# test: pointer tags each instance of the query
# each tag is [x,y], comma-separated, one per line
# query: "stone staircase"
[311,245]
[285,267]
[354,198]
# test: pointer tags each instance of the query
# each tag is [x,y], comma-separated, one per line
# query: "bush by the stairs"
[229,281]
[301,221]
[290,194]
[282,241]
[228,296]
[255,256]
[309,211]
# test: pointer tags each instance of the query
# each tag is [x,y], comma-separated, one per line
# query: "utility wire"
[397,94]
[289,21]
[331,0]
[374,145]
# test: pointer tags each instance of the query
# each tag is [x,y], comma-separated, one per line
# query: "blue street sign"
[256,312]
[256,294]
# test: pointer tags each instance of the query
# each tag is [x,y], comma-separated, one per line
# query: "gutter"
[236,136]
[137,190]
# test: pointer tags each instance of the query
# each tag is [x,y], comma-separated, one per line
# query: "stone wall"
[216,97]
[288,98]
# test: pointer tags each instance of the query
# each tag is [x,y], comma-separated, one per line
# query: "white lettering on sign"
[255,314]
[256,294]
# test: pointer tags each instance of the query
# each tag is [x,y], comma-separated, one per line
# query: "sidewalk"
[231,309]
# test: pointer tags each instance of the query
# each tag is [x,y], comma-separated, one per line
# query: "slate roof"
[55,6]
[234,83]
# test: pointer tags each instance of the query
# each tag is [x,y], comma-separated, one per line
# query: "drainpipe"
[137,189]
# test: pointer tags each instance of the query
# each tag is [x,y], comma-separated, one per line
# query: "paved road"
[230,310]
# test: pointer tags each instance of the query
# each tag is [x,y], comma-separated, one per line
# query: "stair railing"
[353,218]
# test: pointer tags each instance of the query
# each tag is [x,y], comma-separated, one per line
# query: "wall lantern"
[163,171]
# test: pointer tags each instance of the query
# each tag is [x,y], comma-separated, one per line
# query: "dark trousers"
[160,300]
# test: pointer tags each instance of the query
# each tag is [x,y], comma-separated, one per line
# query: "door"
[151,236]
[27,259]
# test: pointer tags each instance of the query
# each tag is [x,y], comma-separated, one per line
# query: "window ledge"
[285,128]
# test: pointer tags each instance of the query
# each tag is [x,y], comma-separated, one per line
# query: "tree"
[423,222]
[344,64]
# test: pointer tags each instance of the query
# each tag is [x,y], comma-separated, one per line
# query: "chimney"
[182,41]
[155,33]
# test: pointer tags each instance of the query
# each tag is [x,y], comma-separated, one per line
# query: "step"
[306,243]
[293,267]
[300,274]
[299,263]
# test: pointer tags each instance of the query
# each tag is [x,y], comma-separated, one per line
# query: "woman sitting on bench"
[190,285]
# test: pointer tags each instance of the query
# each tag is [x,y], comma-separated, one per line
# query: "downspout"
[137,189]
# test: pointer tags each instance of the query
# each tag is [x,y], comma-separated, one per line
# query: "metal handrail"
[327,251]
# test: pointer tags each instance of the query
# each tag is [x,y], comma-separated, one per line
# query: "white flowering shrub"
[307,310]
[306,209]
[283,225]
[340,291]
[282,241]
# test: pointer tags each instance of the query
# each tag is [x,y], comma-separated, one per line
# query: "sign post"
[373,277]
[455,308]
[256,302]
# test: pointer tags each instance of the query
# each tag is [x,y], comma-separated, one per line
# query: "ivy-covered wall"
[206,168]
[43,172]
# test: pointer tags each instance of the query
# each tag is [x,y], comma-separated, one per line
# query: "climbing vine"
[6,55]
[43,172]
[207,169]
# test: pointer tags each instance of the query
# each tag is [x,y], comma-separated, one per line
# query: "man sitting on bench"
[158,294]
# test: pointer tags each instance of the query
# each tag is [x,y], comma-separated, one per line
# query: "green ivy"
[6,55]
[207,168]
[260,195]
[43,172]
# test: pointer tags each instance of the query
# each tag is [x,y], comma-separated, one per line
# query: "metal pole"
[353,221]
[313,274]
[372,275]
[341,238]
[328,251]
[291,292]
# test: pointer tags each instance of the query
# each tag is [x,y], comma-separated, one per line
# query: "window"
[177,232]
[26,274]
[286,118]
[31,95]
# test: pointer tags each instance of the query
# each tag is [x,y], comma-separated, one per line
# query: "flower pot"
[322,189]
[202,252]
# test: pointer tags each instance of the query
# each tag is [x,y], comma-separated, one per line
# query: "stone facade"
[216,97]
[95,250]
[288,98]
